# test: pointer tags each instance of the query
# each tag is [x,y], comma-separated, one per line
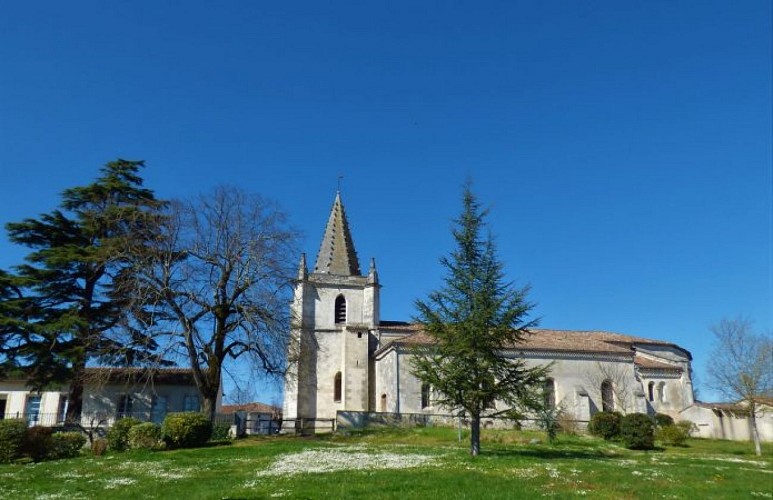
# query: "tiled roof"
[544,339]
[255,407]
[740,406]
[398,325]
[336,253]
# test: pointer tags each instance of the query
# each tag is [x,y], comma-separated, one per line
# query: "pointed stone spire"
[372,274]
[336,254]
[303,271]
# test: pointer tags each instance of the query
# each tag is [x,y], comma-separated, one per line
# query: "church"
[351,360]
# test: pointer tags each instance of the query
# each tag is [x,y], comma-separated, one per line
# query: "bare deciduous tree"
[622,383]
[740,367]
[217,285]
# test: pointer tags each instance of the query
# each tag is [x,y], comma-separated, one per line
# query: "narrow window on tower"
[607,396]
[337,387]
[340,309]
[549,393]
[425,390]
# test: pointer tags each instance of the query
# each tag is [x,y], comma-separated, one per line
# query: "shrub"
[662,420]
[145,436]
[98,447]
[671,435]
[687,426]
[11,439]
[221,431]
[637,432]
[37,443]
[674,434]
[118,435]
[185,430]
[605,424]
[66,445]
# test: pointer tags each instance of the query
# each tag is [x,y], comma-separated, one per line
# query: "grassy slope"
[509,467]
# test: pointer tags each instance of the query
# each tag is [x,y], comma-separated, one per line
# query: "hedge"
[605,424]
[145,436]
[11,439]
[118,435]
[186,430]
[637,432]
[66,445]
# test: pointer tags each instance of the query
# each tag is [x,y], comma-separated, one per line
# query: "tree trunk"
[209,405]
[755,432]
[211,388]
[75,396]
[475,435]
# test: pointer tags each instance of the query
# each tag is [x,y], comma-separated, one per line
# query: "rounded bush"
[66,444]
[637,432]
[221,431]
[662,420]
[605,424]
[145,436]
[11,439]
[671,435]
[118,435]
[37,443]
[186,430]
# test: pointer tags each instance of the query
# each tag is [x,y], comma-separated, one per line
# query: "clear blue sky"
[623,147]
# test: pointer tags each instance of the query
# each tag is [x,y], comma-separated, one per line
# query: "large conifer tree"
[470,322]
[66,306]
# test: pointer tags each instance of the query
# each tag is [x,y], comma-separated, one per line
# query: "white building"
[351,360]
[109,394]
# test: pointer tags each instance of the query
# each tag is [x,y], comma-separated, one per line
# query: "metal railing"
[104,419]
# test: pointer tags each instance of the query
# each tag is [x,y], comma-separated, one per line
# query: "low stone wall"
[362,419]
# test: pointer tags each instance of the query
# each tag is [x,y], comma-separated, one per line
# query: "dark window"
[340,309]
[191,403]
[125,405]
[158,409]
[607,396]
[425,395]
[337,387]
[33,409]
[549,393]
[651,391]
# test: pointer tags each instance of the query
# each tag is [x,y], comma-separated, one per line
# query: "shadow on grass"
[548,453]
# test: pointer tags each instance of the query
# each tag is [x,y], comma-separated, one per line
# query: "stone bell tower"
[335,310]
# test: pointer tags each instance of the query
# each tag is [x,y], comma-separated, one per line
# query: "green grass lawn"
[417,463]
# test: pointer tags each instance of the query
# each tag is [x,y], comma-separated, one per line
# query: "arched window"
[383,402]
[651,391]
[549,393]
[425,389]
[337,387]
[662,392]
[340,310]
[607,396]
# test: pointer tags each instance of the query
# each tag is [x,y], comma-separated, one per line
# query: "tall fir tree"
[469,323]
[66,306]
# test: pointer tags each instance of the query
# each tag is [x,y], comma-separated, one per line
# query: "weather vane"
[340,176]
